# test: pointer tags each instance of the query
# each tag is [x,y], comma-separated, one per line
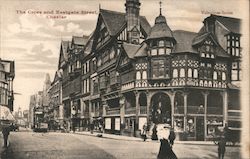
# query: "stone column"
[137,106]
[185,94]
[122,112]
[172,95]
[205,94]
[225,107]
[149,96]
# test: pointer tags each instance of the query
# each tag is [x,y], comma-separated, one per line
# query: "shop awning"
[5,114]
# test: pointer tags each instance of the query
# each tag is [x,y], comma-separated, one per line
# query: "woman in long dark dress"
[166,151]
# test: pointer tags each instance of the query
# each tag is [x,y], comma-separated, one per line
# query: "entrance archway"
[160,108]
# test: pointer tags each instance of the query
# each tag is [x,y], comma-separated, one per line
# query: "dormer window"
[161,43]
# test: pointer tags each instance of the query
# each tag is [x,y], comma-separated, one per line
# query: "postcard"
[124,79]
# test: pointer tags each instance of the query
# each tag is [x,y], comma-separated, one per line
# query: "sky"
[31,38]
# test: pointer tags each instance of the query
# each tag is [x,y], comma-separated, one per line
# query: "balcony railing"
[131,110]
[179,109]
[113,111]
[143,109]
[214,110]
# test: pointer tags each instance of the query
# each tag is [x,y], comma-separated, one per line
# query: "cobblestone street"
[65,145]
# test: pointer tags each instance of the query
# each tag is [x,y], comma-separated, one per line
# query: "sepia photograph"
[124,79]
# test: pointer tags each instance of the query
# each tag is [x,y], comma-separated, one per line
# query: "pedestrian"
[221,147]
[144,132]
[5,132]
[154,133]
[171,137]
[166,151]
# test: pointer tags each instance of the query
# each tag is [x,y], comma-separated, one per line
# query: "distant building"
[7,75]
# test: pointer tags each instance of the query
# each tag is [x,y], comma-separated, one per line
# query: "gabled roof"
[202,37]
[77,40]
[63,52]
[142,51]
[130,49]
[89,44]
[199,39]
[184,41]
[115,20]
[232,24]
[64,46]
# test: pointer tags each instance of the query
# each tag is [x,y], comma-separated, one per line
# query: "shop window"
[191,127]
[179,124]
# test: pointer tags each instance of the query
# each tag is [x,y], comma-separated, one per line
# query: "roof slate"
[142,51]
[184,41]
[131,49]
[160,30]
[79,40]
[115,20]
[65,45]
[232,24]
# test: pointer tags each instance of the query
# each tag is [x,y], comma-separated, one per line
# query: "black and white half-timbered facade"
[133,73]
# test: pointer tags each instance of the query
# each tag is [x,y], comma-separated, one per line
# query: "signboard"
[107,123]
[117,123]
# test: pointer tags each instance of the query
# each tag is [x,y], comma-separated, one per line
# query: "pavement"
[128,138]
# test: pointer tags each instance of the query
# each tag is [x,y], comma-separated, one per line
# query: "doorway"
[200,128]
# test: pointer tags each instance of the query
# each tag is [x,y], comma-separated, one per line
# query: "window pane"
[175,73]
[161,43]
[234,75]
[223,76]
[138,75]
[189,72]
[168,51]
[215,75]
[182,72]
[195,73]
[153,52]
[144,75]
[161,51]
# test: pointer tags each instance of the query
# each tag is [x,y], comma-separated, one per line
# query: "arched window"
[182,72]
[195,73]
[223,76]
[175,73]
[161,43]
[189,72]
[144,75]
[215,75]
[138,75]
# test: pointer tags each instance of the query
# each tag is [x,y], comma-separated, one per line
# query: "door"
[200,128]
